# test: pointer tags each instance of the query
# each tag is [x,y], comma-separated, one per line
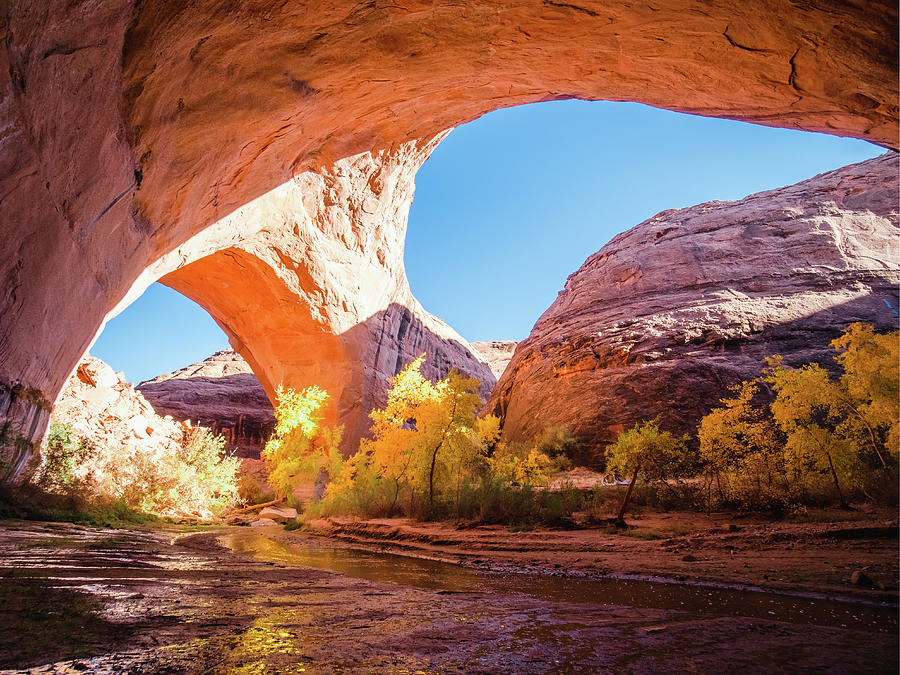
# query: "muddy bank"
[817,554]
[262,600]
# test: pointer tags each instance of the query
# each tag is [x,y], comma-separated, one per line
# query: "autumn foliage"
[645,452]
[428,455]
[792,436]
[425,444]
[798,435]
[301,447]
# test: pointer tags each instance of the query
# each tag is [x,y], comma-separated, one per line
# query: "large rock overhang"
[128,131]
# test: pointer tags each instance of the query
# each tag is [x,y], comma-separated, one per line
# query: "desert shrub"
[359,490]
[191,479]
[559,443]
[495,501]
[516,464]
[200,479]
[63,457]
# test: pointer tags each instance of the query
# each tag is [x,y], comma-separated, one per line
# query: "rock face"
[134,135]
[495,353]
[108,412]
[666,316]
[322,298]
[221,393]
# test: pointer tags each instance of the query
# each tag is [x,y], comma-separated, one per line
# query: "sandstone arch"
[128,130]
[321,296]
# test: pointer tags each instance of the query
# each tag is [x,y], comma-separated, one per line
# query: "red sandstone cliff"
[668,315]
[221,393]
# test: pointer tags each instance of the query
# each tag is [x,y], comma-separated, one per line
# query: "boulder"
[113,417]
[863,580]
[281,514]
[263,522]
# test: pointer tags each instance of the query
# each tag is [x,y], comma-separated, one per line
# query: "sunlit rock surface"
[495,353]
[107,411]
[309,285]
[665,317]
[221,393]
[130,131]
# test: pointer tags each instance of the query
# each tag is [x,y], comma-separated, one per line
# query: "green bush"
[63,455]
[110,484]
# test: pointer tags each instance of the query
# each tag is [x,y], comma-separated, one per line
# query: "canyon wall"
[220,393]
[665,317]
[495,353]
[129,131]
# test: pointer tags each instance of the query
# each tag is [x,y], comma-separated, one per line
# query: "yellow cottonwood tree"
[870,388]
[645,451]
[300,446]
[740,445]
[424,438]
[807,409]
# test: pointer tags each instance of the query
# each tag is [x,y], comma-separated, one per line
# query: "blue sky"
[511,204]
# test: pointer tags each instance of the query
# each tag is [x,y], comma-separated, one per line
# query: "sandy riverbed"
[263,600]
[816,553]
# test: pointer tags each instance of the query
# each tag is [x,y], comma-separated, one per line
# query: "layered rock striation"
[221,393]
[662,320]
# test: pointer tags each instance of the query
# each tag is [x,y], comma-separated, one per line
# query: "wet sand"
[76,599]
[817,554]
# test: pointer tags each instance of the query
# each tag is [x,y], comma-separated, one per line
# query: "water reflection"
[304,551]
[267,644]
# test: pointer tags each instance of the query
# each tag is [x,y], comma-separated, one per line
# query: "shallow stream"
[76,599]
[700,600]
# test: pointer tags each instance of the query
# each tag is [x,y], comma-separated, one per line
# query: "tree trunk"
[871,431]
[396,497]
[836,484]
[434,454]
[620,519]
[834,475]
